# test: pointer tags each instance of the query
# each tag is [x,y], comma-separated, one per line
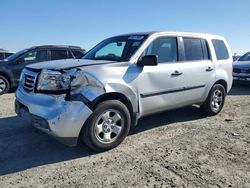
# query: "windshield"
[16,55]
[119,48]
[245,57]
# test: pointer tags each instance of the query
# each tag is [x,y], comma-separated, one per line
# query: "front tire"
[4,85]
[107,127]
[215,100]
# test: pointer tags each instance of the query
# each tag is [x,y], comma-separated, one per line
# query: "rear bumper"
[53,115]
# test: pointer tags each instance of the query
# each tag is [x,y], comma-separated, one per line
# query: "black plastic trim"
[151,94]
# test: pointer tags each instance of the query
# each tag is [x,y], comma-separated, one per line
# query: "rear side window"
[195,49]
[2,56]
[220,50]
[78,54]
[41,55]
[59,54]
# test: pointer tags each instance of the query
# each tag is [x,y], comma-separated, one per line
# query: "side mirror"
[148,60]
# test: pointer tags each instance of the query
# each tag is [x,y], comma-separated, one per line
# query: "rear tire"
[215,100]
[4,85]
[107,127]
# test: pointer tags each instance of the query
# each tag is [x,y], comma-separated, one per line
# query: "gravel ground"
[180,148]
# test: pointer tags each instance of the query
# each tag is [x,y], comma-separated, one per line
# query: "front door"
[161,86]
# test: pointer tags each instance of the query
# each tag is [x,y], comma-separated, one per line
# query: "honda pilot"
[124,78]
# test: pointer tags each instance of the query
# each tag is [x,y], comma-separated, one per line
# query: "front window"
[165,48]
[35,56]
[245,57]
[16,55]
[119,48]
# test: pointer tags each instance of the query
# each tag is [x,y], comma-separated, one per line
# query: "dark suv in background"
[11,67]
[5,53]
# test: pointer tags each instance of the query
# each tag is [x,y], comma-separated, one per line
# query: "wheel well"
[6,76]
[114,96]
[222,82]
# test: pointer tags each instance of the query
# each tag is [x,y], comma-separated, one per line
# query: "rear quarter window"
[220,49]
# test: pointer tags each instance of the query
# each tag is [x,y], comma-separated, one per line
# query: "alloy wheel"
[109,126]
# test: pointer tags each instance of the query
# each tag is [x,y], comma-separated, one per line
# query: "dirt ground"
[180,148]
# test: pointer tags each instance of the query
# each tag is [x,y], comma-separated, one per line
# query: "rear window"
[196,49]
[220,50]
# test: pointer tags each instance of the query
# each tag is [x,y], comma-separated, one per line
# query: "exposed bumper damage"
[63,115]
[53,114]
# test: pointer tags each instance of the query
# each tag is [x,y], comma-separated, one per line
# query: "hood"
[67,64]
[241,64]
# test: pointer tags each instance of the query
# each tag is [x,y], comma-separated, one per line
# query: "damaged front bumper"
[53,114]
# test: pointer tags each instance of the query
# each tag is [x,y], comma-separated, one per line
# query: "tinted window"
[164,48]
[205,49]
[59,54]
[78,54]
[41,55]
[16,55]
[220,49]
[245,57]
[193,49]
[30,56]
[1,56]
[8,54]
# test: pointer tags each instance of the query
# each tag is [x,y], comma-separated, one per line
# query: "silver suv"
[123,78]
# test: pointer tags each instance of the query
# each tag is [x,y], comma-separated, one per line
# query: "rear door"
[198,69]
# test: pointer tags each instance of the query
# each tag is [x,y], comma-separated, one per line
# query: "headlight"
[53,81]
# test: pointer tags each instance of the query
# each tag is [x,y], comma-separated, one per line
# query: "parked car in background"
[241,69]
[97,99]
[236,57]
[11,67]
[5,53]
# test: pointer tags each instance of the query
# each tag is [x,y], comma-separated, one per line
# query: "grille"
[237,70]
[29,80]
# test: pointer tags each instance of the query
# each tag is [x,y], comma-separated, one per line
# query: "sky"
[26,23]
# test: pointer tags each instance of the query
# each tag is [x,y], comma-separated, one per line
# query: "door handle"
[209,69]
[176,73]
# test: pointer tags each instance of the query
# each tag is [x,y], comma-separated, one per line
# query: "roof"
[6,51]
[174,33]
[58,46]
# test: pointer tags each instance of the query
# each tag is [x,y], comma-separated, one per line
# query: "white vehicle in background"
[5,53]
[123,78]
